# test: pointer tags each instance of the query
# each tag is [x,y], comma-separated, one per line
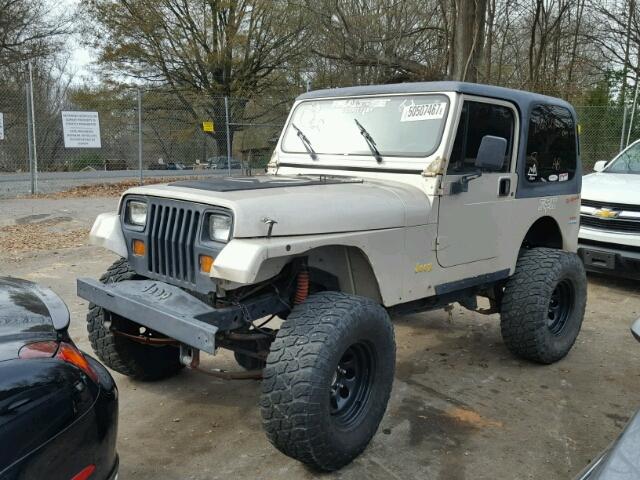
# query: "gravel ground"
[462,407]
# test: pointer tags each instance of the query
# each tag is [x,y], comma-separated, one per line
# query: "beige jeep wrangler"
[379,201]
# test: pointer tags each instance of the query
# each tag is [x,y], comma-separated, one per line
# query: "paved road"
[17,184]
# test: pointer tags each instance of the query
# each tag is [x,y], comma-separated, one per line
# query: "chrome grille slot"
[172,233]
[611,224]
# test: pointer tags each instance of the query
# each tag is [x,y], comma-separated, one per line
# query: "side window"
[477,120]
[551,145]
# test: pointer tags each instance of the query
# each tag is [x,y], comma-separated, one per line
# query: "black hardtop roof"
[520,97]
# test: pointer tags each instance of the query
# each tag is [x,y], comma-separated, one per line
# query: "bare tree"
[219,48]
[28,30]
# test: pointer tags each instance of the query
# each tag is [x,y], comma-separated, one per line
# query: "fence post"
[140,135]
[29,139]
[633,111]
[34,168]
[624,126]
[226,112]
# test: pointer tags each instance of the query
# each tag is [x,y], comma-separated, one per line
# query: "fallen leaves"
[36,236]
[471,418]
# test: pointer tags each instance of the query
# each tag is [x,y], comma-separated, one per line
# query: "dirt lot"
[462,406]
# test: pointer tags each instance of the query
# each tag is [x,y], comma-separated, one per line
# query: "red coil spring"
[302,292]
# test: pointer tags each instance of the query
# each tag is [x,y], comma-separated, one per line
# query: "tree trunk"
[468,39]
[625,66]
[491,14]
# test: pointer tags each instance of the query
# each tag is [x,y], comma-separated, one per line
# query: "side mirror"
[491,153]
[599,165]
[635,329]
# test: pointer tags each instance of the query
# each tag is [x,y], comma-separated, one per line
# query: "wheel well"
[349,265]
[545,232]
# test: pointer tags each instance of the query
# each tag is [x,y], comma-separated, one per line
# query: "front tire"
[543,305]
[125,356]
[328,379]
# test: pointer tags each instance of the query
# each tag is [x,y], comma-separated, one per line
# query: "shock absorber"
[302,290]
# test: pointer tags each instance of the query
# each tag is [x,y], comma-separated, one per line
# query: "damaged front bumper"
[173,312]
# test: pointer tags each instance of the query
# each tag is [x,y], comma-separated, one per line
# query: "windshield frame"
[421,156]
[635,144]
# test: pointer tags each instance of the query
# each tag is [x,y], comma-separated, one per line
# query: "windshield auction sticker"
[359,105]
[427,111]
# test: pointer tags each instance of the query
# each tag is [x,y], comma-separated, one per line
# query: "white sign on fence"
[81,129]
[1,126]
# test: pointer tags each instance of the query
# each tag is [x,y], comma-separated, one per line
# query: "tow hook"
[189,357]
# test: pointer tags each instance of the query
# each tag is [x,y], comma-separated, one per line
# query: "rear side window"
[551,145]
[477,120]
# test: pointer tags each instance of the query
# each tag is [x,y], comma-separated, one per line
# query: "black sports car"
[58,407]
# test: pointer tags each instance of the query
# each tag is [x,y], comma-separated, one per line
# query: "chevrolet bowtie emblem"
[606,213]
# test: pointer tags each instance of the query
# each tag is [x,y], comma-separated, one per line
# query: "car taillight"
[69,353]
[38,350]
[64,351]
[85,473]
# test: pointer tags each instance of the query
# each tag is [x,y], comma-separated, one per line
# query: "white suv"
[609,238]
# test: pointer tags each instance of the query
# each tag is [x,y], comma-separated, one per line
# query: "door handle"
[504,187]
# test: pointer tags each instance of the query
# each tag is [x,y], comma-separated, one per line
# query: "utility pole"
[140,135]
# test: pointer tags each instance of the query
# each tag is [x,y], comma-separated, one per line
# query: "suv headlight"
[136,213]
[219,227]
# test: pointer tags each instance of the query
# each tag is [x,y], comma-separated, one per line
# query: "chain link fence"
[603,132]
[146,134]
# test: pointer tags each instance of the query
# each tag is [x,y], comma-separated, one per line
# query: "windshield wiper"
[305,141]
[370,141]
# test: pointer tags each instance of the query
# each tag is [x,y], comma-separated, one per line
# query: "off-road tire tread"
[117,352]
[296,356]
[526,300]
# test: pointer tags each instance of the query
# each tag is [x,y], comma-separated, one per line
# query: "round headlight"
[219,227]
[137,213]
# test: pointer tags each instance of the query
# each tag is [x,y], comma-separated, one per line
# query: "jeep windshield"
[627,162]
[401,125]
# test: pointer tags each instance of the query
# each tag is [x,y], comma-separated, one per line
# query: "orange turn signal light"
[206,262]
[139,248]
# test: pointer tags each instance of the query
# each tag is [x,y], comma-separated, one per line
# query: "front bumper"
[174,312]
[609,258]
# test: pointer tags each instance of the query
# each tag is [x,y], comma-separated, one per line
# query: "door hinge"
[440,243]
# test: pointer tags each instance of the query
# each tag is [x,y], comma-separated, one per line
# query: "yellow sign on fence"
[208,127]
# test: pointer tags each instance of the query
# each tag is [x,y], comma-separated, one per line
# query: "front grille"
[611,205]
[611,224]
[172,231]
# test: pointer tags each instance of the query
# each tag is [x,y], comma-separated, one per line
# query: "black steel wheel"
[328,379]
[543,304]
[560,306]
[351,385]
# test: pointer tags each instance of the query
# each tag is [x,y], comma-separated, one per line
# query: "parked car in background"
[221,162]
[621,460]
[58,407]
[609,238]
[177,166]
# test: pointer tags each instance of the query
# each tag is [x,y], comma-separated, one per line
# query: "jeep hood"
[303,205]
[612,187]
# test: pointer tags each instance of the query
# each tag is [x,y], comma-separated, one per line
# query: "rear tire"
[543,305]
[328,379]
[130,358]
